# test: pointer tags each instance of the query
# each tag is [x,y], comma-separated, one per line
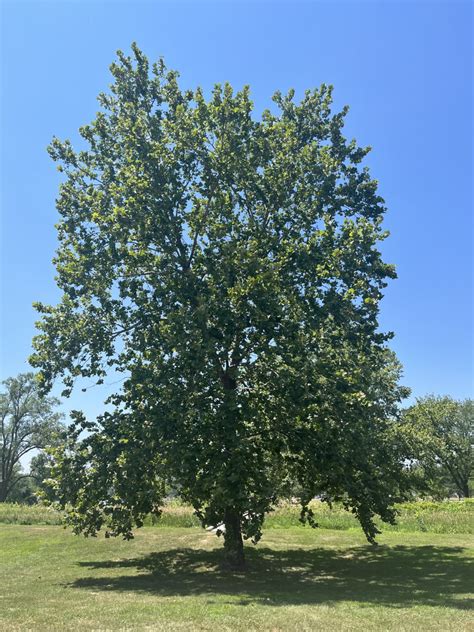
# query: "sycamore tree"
[228,265]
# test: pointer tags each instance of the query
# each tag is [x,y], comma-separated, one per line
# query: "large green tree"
[228,266]
[28,421]
[440,434]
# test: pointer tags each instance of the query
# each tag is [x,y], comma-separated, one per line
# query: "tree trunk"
[233,544]
[461,483]
[3,491]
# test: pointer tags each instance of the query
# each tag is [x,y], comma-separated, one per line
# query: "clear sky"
[405,69]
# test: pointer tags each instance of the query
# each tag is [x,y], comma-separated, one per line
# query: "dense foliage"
[440,435]
[229,267]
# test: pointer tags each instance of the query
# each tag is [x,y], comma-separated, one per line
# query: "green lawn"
[170,579]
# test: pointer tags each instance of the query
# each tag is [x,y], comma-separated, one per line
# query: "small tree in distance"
[440,433]
[229,267]
[27,422]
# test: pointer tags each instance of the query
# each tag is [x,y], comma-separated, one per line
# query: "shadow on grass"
[399,576]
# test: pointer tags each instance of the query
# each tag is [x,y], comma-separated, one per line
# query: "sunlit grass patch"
[173,579]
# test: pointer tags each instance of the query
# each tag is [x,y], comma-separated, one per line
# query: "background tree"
[25,488]
[32,484]
[228,266]
[440,433]
[28,422]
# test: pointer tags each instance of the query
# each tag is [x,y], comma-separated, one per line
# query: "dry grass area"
[431,517]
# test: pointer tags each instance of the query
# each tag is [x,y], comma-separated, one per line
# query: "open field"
[433,517]
[171,579]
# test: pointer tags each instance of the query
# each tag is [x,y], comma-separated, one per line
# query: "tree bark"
[233,543]
[3,491]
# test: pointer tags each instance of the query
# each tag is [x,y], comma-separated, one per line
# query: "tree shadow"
[399,576]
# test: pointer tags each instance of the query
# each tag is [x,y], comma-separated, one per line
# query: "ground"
[171,579]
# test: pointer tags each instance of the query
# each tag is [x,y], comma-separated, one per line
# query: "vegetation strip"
[425,516]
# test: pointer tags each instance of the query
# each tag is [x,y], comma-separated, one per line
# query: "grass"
[432,517]
[15,513]
[171,579]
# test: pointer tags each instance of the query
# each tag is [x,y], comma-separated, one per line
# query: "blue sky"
[404,68]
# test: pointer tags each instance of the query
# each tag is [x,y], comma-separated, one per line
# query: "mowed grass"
[172,579]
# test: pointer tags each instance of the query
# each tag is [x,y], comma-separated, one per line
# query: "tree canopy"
[440,433]
[228,266]
[28,422]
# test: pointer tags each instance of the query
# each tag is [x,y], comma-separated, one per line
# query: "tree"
[228,266]
[32,485]
[28,422]
[440,433]
[23,492]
